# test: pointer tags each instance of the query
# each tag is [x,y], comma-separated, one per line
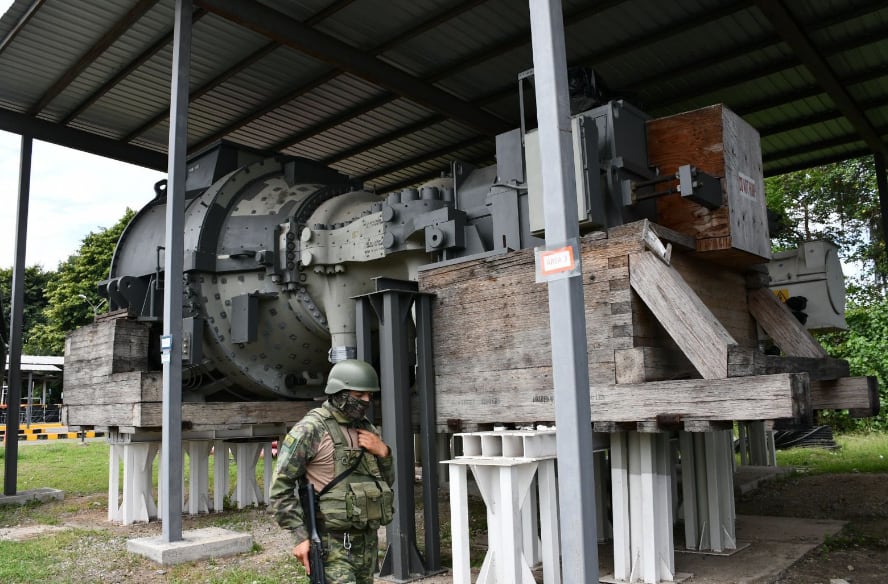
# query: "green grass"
[82,468]
[856,453]
[44,558]
[74,467]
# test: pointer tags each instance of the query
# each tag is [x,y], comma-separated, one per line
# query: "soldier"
[337,450]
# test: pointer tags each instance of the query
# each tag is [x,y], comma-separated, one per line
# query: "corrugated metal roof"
[444,75]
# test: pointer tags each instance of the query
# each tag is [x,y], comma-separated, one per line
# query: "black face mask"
[352,407]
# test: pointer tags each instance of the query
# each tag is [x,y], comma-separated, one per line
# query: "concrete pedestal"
[198,544]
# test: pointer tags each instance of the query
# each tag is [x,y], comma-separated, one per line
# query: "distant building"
[41,391]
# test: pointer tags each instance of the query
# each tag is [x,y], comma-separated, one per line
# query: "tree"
[36,282]
[76,277]
[838,202]
[865,346]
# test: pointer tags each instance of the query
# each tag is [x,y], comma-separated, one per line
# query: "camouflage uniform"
[343,564]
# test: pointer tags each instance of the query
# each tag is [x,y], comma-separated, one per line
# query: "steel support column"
[425,384]
[171,452]
[393,309]
[566,311]
[391,304]
[16,321]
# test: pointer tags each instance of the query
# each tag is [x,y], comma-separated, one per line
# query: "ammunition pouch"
[358,506]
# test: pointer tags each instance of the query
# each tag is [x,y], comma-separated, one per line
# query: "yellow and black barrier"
[50,432]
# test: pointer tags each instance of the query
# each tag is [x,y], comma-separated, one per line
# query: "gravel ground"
[859,555]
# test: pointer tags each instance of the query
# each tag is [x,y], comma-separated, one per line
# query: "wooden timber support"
[656,324]
[690,323]
[109,383]
[780,324]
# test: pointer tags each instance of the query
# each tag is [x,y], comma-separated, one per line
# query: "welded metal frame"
[171,449]
[570,371]
[391,306]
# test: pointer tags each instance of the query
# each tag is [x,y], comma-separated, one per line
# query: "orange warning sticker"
[555,261]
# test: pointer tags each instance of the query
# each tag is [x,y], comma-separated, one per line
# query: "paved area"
[769,545]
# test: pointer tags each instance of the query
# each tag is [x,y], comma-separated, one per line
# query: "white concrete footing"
[641,482]
[197,544]
[42,495]
[505,465]
[707,476]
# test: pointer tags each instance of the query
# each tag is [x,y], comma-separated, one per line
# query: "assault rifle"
[316,553]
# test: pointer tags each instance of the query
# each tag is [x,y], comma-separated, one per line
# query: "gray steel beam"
[86,60]
[80,140]
[162,115]
[392,307]
[285,30]
[333,121]
[124,72]
[819,161]
[331,74]
[171,437]
[567,320]
[241,65]
[16,321]
[843,140]
[795,37]
[736,51]
[20,25]
[364,329]
[518,40]
[449,149]
[425,384]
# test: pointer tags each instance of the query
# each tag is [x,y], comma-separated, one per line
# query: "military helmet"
[352,374]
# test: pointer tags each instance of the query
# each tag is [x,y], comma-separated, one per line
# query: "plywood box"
[718,142]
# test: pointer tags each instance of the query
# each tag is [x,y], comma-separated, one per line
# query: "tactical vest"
[363,499]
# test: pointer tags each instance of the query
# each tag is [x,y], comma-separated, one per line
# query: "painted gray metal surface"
[171,450]
[16,319]
[570,369]
[679,56]
[402,560]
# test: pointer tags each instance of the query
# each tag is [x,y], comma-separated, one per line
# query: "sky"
[72,194]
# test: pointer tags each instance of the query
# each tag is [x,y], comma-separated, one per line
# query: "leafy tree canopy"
[838,202]
[36,282]
[76,277]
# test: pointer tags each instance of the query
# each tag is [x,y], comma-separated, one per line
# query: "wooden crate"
[720,143]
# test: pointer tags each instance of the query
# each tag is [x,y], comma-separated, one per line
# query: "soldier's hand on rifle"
[301,551]
[372,443]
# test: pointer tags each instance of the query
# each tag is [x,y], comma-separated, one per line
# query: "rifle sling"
[343,475]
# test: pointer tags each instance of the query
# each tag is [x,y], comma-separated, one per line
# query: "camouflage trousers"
[352,558]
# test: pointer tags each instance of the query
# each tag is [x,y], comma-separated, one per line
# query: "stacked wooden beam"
[668,344]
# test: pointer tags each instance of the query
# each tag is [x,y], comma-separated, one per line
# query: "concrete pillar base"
[43,494]
[198,544]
